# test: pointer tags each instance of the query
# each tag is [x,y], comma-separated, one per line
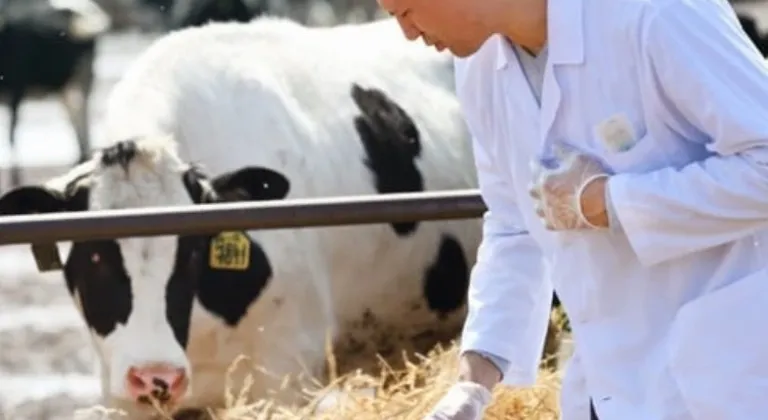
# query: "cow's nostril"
[157,382]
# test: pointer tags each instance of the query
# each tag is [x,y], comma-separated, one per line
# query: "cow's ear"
[40,199]
[251,184]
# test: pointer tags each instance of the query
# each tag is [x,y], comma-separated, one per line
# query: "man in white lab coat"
[621,145]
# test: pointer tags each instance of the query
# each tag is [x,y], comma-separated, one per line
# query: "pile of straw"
[398,394]
[407,394]
[385,392]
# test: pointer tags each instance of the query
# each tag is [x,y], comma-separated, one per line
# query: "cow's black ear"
[251,184]
[39,199]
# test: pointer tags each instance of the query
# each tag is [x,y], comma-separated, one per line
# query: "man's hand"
[476,368]
[572,195]
[468,398]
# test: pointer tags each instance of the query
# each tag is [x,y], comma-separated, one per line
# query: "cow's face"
[136,294]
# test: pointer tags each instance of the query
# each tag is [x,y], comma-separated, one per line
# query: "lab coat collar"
[565,35]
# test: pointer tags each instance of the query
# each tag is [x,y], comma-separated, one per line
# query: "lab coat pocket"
[719,351]
[641,156]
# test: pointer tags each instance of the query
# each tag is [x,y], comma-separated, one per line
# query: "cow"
[325,12]
[188,13]
[266,111]
[366,10]
[48,47]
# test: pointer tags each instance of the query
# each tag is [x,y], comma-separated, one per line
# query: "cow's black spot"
[181,287]
[229,293]
[121,153]
[187,13]
[94,270]
[392,145]
[447,280]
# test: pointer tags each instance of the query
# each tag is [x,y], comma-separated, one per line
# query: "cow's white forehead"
[152,178]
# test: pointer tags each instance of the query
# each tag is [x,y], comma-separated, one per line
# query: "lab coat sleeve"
[509,297]
[713,83]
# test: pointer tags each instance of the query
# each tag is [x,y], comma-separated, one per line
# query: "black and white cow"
[272,110]
[178,14]
[187,13]
[48,47]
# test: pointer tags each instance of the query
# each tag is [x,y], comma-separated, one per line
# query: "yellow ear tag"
[230,251]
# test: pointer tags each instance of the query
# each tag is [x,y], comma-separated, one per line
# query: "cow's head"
[136,294]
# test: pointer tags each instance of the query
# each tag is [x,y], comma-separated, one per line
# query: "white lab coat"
[668,315]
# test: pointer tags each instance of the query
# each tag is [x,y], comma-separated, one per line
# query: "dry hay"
[385,392]
[407,394]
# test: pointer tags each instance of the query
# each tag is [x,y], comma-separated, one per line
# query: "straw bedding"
[405,390]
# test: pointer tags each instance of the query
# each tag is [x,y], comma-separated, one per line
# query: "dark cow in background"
[187,13]
[184,13]
[265,111]
[48,47]
[179,14]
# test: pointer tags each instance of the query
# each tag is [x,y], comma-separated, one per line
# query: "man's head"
[451,24]
[462,26]
[136,294]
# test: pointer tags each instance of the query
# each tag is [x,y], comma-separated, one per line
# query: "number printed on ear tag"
[230,251]
[616,133]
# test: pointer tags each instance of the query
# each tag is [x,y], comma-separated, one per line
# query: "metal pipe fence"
[212,218]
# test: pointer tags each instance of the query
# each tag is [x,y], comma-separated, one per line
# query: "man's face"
[451,24]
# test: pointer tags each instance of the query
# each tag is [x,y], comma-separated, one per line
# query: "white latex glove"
[557,191]
[464,401]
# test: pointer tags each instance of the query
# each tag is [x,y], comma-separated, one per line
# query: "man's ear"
[38,199]
[251,184]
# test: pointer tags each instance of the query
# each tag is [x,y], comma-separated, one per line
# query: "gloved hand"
[464,401]
[557,190]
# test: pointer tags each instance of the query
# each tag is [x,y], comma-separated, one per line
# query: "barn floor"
[46,363]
